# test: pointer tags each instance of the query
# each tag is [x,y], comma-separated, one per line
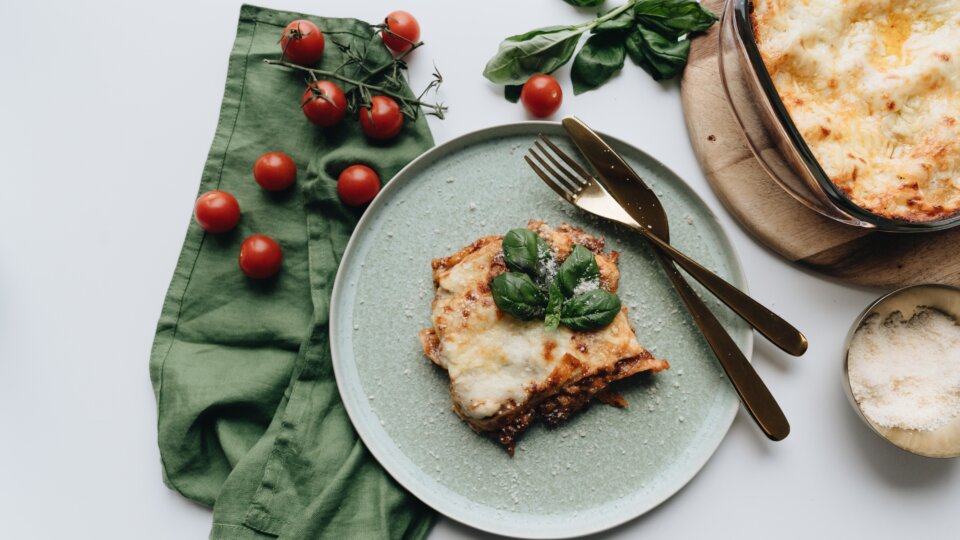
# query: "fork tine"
[548,181]
[572,187]
[566,158]
[577,183]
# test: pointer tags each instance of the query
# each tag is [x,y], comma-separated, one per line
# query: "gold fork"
[585,192]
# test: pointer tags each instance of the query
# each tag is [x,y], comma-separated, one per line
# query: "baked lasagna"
[874,89]
[505,373]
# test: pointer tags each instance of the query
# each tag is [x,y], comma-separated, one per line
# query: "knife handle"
[754,395]
[772,326]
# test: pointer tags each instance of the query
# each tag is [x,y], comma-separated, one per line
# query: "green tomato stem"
[360,83]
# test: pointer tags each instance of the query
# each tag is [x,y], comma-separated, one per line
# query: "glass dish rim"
[743,28]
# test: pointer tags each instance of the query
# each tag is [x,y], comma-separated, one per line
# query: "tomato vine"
[369,80]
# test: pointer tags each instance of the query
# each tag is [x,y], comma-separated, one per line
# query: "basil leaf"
[658,56]
[511,92]
[590,310]
[580,266]
[600,58]
[584,3]
[673,18]
[554,305]
[539,51]
[524,251]
[518,296]
[620,23]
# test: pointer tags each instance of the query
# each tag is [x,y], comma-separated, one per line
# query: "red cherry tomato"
[302,43]
[403,29]
[324,103]
[217,211]
[357,185]
[541,95]
[275,171]
[383,120]
[260,256]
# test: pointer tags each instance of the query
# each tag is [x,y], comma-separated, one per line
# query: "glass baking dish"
[775,140]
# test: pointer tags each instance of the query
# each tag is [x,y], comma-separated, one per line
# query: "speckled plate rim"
[421,484]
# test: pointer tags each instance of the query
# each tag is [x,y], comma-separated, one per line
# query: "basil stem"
[554,305]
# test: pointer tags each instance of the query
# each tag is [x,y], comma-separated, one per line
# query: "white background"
[107,111]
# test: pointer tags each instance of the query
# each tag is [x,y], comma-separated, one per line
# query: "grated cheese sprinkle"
[587,286]
[906,373]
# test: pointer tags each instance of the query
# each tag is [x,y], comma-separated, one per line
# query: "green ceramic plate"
[606,465]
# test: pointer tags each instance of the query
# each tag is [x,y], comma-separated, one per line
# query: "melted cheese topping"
[495,362]
[874,88]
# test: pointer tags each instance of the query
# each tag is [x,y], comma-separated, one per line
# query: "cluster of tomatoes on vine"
[324,104]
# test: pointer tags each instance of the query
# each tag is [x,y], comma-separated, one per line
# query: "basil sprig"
[571,296]
[653,33]
[554,307]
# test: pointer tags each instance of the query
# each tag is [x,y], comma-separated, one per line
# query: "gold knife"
[628,189]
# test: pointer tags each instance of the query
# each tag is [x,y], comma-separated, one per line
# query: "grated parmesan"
[587,286]
[906,373]
[550,265]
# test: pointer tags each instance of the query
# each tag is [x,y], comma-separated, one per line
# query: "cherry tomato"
[357,185]
[403,29]
[383,120]
[275,171]
[324,103]
[541,95]
[260,256]
[217,211]
[302,42]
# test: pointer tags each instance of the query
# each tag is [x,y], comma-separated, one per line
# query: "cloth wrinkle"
[249,415]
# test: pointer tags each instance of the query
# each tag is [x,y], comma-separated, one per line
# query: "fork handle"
[769,324]
[754,395]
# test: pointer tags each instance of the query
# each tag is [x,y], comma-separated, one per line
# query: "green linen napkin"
[249,416]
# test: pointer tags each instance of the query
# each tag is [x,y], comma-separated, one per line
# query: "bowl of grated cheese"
[902,369]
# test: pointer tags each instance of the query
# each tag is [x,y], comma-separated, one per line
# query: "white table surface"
[106,114]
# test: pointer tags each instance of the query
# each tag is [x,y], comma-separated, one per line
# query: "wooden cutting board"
[777,220]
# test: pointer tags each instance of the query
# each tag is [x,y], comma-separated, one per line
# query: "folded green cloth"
[249,417]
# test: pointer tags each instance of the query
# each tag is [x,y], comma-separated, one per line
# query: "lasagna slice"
[505,373]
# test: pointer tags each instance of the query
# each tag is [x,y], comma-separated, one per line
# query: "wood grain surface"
[778,221]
